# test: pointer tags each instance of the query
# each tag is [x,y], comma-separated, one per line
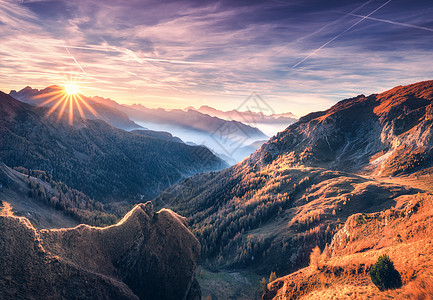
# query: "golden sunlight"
[71,88]
[67,99]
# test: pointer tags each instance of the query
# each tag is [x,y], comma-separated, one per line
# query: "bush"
[384,275]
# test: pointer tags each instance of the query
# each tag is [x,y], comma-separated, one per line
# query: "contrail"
[140,60]
[336,21]
[391,22]
[66,47]
[336,37]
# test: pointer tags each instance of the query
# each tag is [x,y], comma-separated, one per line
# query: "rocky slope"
[384,134]
[147,255]
[102,161]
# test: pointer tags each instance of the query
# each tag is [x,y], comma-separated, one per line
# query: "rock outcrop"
[147,255]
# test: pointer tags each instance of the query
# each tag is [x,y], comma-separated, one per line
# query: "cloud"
[183,53]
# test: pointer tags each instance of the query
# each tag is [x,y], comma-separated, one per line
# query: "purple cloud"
[300,55]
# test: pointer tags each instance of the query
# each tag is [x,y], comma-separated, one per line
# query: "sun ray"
[62,109]
[55,106]
[49,100]
[66,99]
[90,108]
[71,110]
[80,110]
[59,92]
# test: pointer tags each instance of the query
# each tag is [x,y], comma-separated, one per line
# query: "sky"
[299,56]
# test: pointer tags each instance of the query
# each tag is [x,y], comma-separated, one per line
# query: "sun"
[71,88]
[66,99]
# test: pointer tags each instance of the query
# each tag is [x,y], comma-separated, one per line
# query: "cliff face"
[147,255]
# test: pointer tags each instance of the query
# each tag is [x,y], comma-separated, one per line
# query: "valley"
[267,213]
[339,182]
[216,150]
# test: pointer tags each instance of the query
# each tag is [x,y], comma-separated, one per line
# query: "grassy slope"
[404,233]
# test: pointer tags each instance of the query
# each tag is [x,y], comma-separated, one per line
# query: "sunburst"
[66,97]
[71,88]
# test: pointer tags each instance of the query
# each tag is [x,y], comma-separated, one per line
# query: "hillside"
[50,204]
[269,220]
[403,232]
[267,213]
[147,255]
[103,162]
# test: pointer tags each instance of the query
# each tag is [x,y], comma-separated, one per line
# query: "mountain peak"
[373,133]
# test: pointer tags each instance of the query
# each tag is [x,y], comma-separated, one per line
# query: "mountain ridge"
[49,96]
[354,131]
[132,259]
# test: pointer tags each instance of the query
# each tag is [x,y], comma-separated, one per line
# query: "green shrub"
[384,275]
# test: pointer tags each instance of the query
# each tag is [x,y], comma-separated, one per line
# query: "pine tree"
[272,277]
[315,258]
[264,285]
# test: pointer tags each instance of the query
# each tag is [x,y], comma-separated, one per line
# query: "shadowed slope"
[147,255]
[104,162]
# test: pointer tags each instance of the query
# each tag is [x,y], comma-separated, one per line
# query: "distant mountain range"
[229,138]
[267,212]
[104,162]
[98,110]
[248,117]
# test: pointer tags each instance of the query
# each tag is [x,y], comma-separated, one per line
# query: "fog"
[231,148]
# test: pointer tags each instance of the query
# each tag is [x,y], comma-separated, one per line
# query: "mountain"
[226,138]
[104,162]
[97,110]
[383,134]
[267,213]
[247,116]
[158,134]
[147,255]
[272,123]
[222,136]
